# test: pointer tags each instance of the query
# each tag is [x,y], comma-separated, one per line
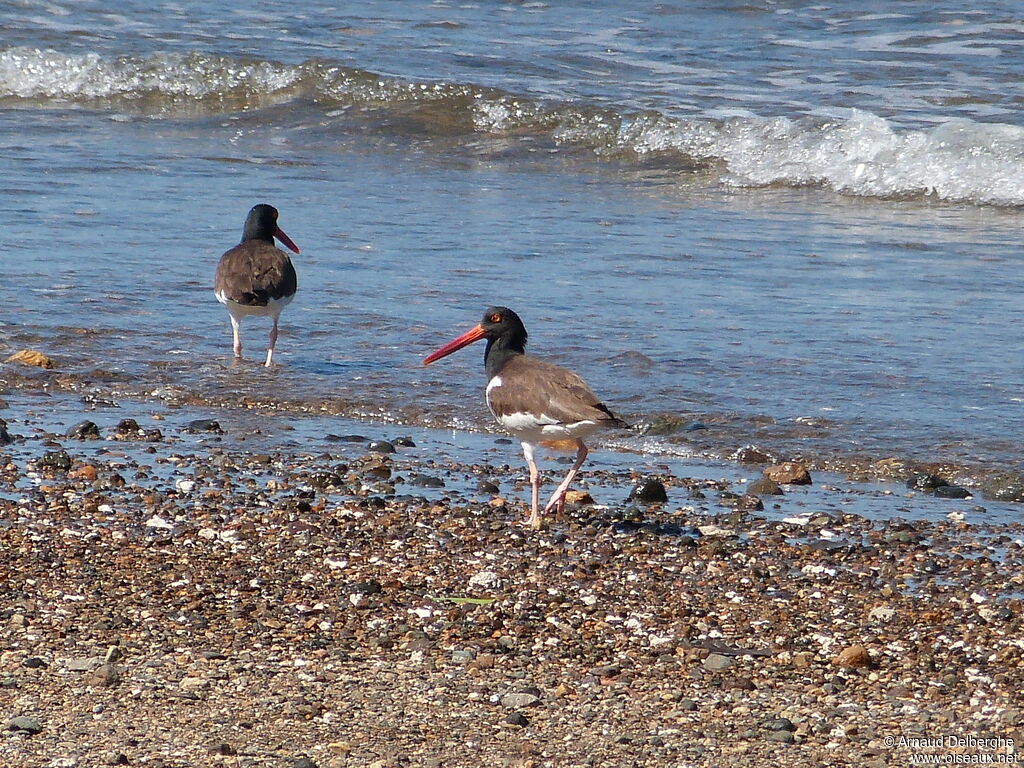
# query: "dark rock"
[1006,486]
[425,481]
[33,662]
[404,442]
[127,427]
[649,491]
[764,487]
[952,492]
[695,426]
[780,724]
[5,436]
[346,439]
[24,724]
[751,454]
[502,441]
[783,737]
[369,587]
[380,446]
[55,460]
[517,718]
[748,503]
[303,762]
[220,748]
[925,482]
[487,487]
[84,430]
[324,480]
[204,425]
[115,758]
[688,705]
[788,473]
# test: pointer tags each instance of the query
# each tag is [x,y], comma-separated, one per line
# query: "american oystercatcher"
[534,400]
[256,277]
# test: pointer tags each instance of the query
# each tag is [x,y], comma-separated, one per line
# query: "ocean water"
[796,224]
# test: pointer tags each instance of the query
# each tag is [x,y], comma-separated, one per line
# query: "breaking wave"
[855,153]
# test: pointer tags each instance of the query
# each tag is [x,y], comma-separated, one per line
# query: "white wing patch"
[493,384]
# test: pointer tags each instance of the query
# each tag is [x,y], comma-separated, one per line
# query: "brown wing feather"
[530,385]
[255,272]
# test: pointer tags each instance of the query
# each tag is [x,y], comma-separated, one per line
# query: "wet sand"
[239,593]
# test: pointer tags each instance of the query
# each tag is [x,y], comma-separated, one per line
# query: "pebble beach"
[173,598]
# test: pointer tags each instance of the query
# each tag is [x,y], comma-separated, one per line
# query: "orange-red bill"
[280,235]
[454,345]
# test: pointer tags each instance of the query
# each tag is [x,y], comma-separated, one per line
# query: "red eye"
[495,318]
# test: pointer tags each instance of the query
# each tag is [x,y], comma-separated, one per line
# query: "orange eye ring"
[495,318]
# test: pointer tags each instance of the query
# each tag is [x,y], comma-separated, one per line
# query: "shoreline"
[325,602]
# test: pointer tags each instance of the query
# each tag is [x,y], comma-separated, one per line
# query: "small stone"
[380,446]
[1006,486]
[84,430]
[25,724]
[85,664]
[649,491]
[203,425]
[127,427]
[688,705]
[5,436]
[487,487]
[764,487]
[788,473]
[115,758]
[346,438]
[462,656]
[55,460]
[303,762]
[717,661]
[952,492]
[854,657]
[425,481]
[783,737]
[582,498]
[85,472]
[517,718]
[220,748]
[519,700]
[925,482]
[105,676]
[324,480]
[751,454]
[780,724]
[33,662]
[748,503]
[113,654]
[31,357]
[404,442]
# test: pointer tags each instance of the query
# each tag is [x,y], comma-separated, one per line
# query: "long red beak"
[455,345]
[280,235]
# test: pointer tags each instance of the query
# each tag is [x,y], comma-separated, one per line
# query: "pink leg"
[237,338]
[528,452]
[273,343]
[558,498]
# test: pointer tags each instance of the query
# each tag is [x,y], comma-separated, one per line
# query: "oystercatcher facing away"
[534,400]
[256,277]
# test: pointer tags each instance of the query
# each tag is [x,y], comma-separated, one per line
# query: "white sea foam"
[853,152]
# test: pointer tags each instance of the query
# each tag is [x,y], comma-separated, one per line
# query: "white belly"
[238,311]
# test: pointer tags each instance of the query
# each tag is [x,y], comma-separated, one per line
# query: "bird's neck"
[499,351]
[258,232]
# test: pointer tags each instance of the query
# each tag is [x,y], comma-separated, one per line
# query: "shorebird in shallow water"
[534,400]
[256,277]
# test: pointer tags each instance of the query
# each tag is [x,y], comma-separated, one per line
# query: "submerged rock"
[31,357]
[764,487]
[788,473]
[1006,486]
[55,460]
[649,491]
[84,430]
[203,425]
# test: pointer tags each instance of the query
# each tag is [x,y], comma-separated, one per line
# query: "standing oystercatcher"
[534,400]
[256,277]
